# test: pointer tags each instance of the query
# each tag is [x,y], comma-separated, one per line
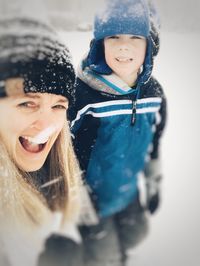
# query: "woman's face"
[29,126]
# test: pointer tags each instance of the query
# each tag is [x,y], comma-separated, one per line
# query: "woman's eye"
[60,107]
[27,105]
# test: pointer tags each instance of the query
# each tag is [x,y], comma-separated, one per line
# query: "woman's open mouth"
[30,145]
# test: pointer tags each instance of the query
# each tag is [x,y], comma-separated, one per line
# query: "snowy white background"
[174,238]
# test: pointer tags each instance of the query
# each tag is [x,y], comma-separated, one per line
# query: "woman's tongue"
[30,146]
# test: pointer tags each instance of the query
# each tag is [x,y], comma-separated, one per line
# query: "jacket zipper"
[133,114]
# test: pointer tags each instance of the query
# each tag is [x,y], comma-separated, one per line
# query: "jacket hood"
[96,58]
[135,17]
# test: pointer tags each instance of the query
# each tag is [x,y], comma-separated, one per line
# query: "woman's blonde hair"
[22,202]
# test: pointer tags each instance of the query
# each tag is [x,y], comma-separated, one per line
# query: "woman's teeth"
[30,146]
[44,135]
[36,139]
[37,143]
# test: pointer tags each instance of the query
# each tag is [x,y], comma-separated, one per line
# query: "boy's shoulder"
[89,93]
[86,94]
[152,89]
[84,89]
[81,85]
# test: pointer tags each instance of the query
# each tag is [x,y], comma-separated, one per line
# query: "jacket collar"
[110,84]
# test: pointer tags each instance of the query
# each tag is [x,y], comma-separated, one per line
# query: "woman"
[39,175]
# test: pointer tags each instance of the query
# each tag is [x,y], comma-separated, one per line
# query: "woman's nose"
[43,120]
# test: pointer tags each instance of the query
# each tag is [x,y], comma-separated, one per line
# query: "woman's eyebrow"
[26,96]
[34,96]
[62,101]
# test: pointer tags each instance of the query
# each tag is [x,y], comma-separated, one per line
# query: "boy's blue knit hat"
[122,17]
[119,17]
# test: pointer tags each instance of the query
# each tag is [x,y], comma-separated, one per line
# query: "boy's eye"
[113,37]
[136,37]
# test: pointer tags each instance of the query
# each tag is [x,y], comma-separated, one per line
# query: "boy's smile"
[125,54]
[124,59]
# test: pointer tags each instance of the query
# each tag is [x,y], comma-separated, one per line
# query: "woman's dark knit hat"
[32,51]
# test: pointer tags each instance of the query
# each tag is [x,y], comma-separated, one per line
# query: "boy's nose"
[123,46]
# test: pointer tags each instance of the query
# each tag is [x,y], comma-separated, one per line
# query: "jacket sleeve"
[73,108]
[83,126]
[160,122]
[77,111]
[84,130]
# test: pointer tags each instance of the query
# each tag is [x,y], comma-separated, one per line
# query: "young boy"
[117,125]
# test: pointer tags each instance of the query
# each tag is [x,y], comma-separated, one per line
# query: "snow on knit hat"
[31,50]
[121,17]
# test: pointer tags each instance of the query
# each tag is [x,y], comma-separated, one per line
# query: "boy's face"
[125,54]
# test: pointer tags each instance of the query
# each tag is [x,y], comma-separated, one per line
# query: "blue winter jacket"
[116,131]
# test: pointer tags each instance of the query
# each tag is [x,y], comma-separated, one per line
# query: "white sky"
[176,15]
